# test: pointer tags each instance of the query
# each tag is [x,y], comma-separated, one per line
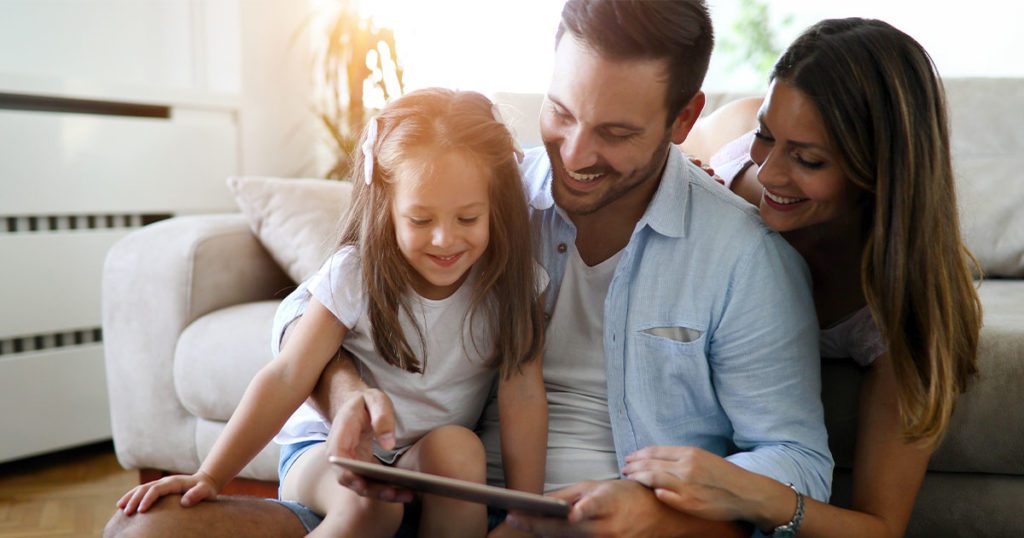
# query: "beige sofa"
[188,305]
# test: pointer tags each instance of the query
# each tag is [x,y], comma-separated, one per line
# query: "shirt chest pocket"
[671,373]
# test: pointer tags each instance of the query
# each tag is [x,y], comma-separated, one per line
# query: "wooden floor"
[70,493]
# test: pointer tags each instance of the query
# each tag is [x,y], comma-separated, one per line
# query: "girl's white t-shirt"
[456,377]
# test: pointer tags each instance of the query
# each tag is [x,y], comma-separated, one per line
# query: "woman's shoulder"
[727,123]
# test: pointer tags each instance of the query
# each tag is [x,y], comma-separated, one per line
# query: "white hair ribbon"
[371,137]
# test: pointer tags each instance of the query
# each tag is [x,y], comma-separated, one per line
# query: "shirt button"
[562,248]
[547,317]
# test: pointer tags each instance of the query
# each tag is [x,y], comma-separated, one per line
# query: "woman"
[849,160]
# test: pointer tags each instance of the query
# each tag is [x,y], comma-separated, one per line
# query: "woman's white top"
[855,337]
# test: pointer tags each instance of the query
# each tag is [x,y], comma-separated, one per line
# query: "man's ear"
[687,117]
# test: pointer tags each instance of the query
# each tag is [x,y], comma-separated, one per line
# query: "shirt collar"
[666,214]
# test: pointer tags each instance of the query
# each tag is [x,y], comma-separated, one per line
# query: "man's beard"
[620,185]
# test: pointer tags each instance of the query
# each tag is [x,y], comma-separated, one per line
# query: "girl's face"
[441,214]
[798,168]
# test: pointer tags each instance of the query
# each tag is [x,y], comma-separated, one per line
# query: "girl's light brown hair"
[884,110]
[434,122]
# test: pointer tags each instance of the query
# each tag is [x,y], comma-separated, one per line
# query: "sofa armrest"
[156,281]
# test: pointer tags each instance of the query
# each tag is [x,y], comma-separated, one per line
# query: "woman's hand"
[698,482]
[707,169]
[196,488]
[620,508]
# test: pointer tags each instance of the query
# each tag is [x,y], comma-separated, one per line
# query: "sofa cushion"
[297,220]
[987,429]
[987,159]
[218,354]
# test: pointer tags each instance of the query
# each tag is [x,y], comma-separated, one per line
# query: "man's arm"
[766,369]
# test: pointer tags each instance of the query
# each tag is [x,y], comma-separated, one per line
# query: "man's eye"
[612,135]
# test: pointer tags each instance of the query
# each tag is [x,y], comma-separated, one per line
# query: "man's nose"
[578,150]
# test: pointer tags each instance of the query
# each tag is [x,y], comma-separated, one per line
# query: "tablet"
[459,489]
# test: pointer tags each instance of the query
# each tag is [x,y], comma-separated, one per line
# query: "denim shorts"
[310,519]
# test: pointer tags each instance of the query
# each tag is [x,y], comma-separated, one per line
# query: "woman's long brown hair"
[884,109]
[437,121]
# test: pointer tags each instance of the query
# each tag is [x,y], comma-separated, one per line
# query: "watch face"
[783,532]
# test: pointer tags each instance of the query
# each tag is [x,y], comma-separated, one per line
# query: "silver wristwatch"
[790,529]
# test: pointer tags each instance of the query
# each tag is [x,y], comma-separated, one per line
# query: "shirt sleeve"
[767,371]
[866,340]
[338,286]
[733,158]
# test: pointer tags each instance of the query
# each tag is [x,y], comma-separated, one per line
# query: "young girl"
[432,289]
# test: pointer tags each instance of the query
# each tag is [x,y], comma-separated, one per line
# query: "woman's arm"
[887,474]
[729,122]
[523,412]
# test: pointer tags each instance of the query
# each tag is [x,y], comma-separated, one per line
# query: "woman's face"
[798,167]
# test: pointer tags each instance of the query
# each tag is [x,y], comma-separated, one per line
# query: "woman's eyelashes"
[810,164]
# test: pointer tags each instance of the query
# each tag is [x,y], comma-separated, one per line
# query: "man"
[676,317]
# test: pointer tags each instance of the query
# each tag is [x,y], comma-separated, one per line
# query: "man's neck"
[599,235]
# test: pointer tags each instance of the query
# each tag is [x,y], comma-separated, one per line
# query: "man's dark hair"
[677,31]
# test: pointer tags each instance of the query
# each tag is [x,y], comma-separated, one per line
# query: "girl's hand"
[695,481]
[367,415]
[195,487]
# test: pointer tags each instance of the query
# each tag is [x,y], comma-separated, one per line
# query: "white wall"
[234,79]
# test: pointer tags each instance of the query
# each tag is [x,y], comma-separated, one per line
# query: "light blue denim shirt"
[710,333]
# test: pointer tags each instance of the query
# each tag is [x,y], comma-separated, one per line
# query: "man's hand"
[367,415]
[619,508]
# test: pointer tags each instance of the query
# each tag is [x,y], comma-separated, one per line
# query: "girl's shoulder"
[339,285]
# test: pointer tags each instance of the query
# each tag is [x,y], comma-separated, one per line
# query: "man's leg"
[225,517]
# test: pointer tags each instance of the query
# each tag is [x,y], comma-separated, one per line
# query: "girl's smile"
[442,219]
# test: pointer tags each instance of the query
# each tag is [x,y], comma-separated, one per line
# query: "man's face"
[604,127]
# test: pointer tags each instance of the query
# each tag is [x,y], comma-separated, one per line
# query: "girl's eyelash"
[761,136]
[468,220]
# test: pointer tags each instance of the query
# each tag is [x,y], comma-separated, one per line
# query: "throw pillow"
[297,220]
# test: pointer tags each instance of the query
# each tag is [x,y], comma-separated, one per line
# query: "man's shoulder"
[715,213]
